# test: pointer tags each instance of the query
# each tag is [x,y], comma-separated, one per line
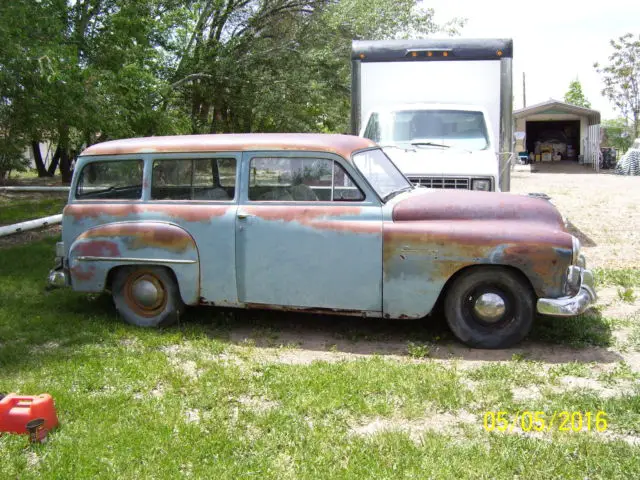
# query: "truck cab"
[437,145]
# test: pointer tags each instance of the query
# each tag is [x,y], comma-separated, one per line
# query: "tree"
[11,156]
[574,95]
[91,70]
[622,79]
[617,134]
[85,71]
[280,65]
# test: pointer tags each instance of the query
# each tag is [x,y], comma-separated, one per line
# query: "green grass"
[627,277]
[418,350]
[20,209]
[189,401]
[29,173]
[574,369]
[634,337]
[587,329]
[627,295]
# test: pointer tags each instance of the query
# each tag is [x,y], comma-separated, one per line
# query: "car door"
[199,192]
[307,235]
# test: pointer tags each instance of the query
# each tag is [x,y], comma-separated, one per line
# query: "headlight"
[576,250]
[483,184]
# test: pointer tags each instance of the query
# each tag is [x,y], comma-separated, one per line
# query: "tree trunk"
[65,166]
[37,156]
[54,162]
[65,160]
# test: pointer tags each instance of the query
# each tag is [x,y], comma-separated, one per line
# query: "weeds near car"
[418,350]
[626,295]
[580,331]
[627,278]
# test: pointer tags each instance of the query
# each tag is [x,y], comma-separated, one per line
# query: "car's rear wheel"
[146,296]
[490,307]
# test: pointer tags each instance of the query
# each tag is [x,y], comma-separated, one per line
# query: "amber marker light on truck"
[499,53]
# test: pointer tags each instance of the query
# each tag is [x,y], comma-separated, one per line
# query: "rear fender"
[98,250]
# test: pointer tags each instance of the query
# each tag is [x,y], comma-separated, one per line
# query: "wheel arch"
[477,266]
[97,252]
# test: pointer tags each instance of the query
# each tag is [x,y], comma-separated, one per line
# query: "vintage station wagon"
[311,223]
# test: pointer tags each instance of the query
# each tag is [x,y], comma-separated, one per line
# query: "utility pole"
[524,92]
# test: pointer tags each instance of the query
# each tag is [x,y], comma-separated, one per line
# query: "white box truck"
[441,108]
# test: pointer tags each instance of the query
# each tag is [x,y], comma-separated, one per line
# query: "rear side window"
[194,179]
[300,180]
[116,179]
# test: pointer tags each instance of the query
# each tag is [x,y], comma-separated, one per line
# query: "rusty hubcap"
[145,294]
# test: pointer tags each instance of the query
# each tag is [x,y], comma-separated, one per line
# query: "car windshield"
[382,174]
[429,129]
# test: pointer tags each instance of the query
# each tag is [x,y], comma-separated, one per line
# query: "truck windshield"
[382,174]
[441,128]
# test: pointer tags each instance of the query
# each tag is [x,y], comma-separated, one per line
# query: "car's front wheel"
[490,307]
[146,296]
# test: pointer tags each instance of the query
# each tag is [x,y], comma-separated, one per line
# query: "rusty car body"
[319,223]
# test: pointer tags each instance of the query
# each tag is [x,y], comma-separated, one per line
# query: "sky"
[554,41]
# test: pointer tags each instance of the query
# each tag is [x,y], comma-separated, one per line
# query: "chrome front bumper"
[571,305]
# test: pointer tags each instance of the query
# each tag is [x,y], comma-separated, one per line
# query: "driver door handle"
[244,215]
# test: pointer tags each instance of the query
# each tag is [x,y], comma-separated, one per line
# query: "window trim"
[364,178]
[250,156]
[73,191]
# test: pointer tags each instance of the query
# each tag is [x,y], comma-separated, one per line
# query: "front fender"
[98,250]
[420,257]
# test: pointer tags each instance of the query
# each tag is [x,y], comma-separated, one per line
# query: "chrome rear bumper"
[574,305]
[59,276]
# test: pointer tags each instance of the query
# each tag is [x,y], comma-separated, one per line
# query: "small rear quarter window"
[115,179]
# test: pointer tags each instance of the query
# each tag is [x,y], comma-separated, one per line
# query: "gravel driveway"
[603,209]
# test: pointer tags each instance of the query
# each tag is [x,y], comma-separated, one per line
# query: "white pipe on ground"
[30,225]
[34,189]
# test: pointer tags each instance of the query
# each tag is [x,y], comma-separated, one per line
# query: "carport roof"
[555,106]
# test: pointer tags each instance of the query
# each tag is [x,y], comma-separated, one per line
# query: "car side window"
[300,180]
[372,132]
[115,179]
[194,179]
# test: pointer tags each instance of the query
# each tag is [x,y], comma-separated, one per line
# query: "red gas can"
[18,410]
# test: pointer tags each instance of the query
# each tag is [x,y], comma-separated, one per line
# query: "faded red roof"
[343,145]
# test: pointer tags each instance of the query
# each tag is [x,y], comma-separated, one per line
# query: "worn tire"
[161,311]
[482,326]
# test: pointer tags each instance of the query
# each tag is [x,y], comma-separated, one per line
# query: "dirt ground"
[603,209]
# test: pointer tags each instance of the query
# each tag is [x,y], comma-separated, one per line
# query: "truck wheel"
[146,296]
[489,307]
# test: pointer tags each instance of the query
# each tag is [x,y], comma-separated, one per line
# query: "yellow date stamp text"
[538,421]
